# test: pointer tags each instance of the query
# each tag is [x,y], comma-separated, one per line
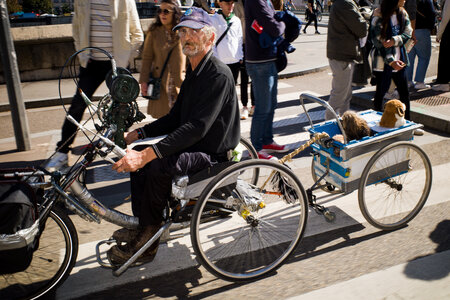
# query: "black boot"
[118,255]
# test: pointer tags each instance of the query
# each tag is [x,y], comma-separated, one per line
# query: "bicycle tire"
[46,272]
[238,249]
[395,185]
[250,151]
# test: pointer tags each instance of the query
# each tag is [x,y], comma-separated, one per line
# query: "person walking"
[425,21]
[202,129]
[390,30]
[161,43]
[228,46]
[245,111]
[262,69]
[443,37]
[311,12]
[112,25]
[346,26]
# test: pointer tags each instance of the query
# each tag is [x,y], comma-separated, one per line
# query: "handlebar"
[115,149]
[327,106]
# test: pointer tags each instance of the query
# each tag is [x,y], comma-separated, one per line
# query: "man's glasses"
[163,11]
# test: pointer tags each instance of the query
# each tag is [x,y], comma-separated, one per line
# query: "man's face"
[227,7]
[193,41]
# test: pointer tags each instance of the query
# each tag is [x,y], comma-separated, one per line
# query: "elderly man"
[202,128]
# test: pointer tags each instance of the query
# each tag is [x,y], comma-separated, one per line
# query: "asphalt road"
[320,261]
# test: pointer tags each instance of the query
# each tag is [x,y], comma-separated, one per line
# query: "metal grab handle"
[115,149]
[327,106]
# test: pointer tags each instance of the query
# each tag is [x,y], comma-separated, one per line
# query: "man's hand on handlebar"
[134,160]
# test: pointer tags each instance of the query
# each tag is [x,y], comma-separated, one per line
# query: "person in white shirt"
[111,25]
[228,46]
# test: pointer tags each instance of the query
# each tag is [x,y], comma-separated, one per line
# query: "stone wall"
[42,50]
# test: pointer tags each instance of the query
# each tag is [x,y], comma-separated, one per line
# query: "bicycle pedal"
[101,261]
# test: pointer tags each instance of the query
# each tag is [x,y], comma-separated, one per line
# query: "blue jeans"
[265,84]
[423,51]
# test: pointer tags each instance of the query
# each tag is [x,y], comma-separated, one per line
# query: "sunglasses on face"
[163,11]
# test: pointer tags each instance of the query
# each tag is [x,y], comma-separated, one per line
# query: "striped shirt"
[101,28]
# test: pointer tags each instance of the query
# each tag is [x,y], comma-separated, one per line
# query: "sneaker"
[274,147]
[441,87]
[393,95]
[419,132]
[304,30]
[421,86]
[317,32]
[244,113]
[252,111]
[265,155]
[57,161]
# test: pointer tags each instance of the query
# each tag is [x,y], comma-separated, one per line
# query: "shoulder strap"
[165,62]
[223,34]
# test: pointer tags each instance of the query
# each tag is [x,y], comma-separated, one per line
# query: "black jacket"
[345,27]
[205,117]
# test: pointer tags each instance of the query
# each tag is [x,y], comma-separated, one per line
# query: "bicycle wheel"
[247,149]
[52,261]
[394,185]
[323,184]
[267,224]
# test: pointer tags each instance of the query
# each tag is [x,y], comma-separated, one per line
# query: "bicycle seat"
[191,186]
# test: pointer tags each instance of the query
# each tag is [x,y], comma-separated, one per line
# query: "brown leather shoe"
[118,255]
[125,235]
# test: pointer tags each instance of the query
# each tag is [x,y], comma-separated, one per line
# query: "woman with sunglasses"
[159,42]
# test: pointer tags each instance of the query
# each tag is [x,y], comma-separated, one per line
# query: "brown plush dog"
[355,127]
[394,114]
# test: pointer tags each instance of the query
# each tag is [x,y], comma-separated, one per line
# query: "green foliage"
[37,6]
[13,6]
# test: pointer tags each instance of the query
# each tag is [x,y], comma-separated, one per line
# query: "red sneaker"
[265,155]
[274,147]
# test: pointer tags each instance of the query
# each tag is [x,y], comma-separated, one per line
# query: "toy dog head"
[394,114]
[355,127]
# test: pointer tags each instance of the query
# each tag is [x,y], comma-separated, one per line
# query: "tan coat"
[157,45]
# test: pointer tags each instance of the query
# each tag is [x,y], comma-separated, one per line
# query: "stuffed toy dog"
[394,114]
[355,127]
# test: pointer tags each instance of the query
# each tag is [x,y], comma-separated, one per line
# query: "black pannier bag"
[18,225]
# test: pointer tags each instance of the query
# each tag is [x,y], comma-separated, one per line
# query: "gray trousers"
[341,87]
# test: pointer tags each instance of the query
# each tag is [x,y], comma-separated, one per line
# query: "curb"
[301,73]
[39,103]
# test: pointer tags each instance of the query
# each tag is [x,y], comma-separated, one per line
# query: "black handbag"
[154,84]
